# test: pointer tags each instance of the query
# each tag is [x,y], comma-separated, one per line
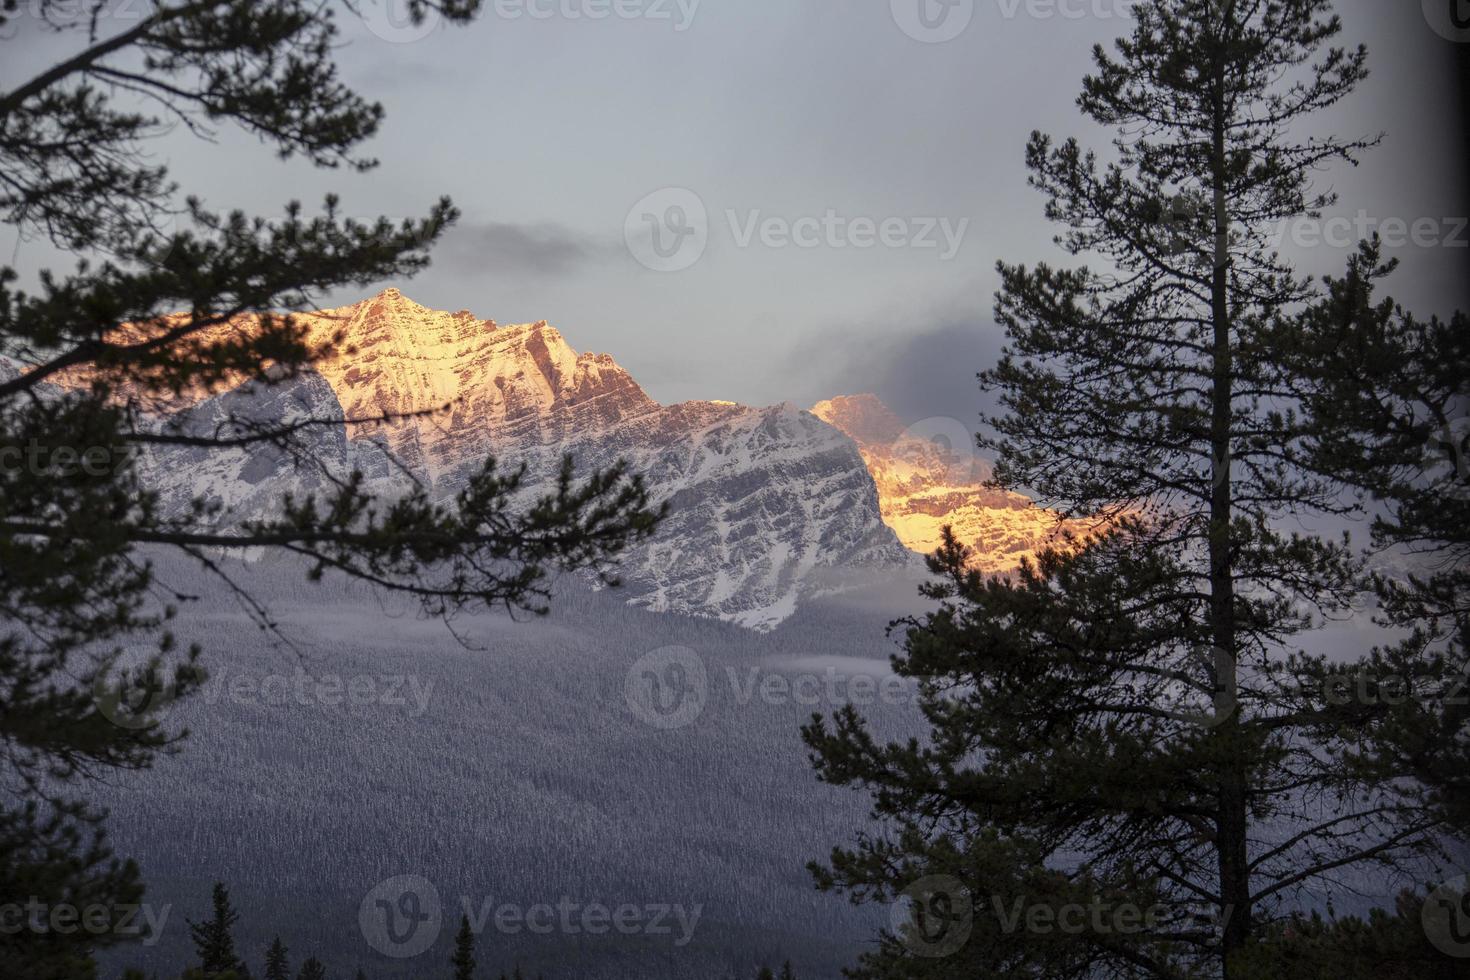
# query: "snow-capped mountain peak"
[764,501]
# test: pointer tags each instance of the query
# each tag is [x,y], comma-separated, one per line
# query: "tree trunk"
[1231,816]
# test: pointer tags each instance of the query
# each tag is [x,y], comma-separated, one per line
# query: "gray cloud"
[501,248]
[920,373]
[933,373]
[557,128]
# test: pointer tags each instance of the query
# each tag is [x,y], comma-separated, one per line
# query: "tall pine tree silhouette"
[1125,723]
[77,170]
[1388,394]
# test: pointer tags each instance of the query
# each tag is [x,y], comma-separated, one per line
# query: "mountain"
[769,506]
[927,477]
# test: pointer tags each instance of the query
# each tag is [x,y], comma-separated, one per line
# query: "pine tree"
[1387,393]
[786,972]
[214,944]
[276,966]
[464,951]
[1384,945]
[312,969]
[1113,727]
[90,353]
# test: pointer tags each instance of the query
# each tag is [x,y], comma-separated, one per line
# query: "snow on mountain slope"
[763,500]
[924,484]
[247,481]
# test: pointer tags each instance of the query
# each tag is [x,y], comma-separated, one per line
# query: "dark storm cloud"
[933,373]
[923,373]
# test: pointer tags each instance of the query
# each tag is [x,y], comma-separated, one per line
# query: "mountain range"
[769,506]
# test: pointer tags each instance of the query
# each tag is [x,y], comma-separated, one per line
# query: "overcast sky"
[561,137]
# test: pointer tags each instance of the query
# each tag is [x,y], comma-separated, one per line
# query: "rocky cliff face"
[761,499]
[928,477]
[248,480]
[767,504]
[489,388]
